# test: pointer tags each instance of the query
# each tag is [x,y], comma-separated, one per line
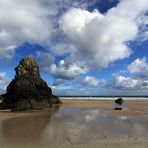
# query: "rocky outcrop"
[1,98]
[119,101]
[28,90]
[118,104]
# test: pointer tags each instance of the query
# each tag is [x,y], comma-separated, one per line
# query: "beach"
[77,123]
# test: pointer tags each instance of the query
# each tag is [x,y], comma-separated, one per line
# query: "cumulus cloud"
[30,21]
[128,83]
[91,81]
[138,80]
[2,75]
[67,91]
[139,67]
[96,40]
[23,21]
[122,82]
[3,82]
[67,70]
[136,8]
[102,38]
[62,48]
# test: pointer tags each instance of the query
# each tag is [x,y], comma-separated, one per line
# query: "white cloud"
[139,67]
[62,48]
[64,90]
[125,82]
[136,7]
[91,81]
[67,70]
[30,21]
[23,21]
[95,40]
[139,70]
[3,82]
[2,75]
[128,83]
[101,39]
[143,36]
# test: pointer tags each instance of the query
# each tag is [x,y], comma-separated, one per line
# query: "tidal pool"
[69,126]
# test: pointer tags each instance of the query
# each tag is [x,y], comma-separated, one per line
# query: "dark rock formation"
[28,90]
[119,101]
[1,98]
[118,104]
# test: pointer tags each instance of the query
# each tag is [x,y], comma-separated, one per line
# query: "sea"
[104,97]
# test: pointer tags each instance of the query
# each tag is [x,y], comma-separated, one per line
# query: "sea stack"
[28,90]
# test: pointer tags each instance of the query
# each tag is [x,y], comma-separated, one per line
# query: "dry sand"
[65,132]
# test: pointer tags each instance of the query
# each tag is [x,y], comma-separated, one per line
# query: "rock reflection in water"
[25,129]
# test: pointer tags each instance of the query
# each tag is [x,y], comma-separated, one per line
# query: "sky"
[83,47]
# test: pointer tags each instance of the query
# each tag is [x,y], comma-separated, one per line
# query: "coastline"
[133,107]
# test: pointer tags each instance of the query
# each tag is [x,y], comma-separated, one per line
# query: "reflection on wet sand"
[25,129]
[70,126]
[86,125]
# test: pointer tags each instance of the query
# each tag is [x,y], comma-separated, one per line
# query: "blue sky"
[83,47]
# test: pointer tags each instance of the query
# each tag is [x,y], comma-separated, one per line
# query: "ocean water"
[105,98]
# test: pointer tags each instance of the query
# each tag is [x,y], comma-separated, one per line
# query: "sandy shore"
[8,114]
[111,143]
[78,124]
[133,107]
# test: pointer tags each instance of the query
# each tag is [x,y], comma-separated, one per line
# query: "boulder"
[119,101]
[118,104]
[28,90]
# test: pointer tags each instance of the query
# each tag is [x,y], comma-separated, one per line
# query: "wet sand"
[132,107]
[77,123]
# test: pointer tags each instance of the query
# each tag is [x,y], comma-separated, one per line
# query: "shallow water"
[69,125]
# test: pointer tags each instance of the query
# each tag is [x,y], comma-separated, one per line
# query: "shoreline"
[133,108]
[106,99]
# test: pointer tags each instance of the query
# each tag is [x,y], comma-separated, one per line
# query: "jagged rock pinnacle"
[28,90]
[27,65]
